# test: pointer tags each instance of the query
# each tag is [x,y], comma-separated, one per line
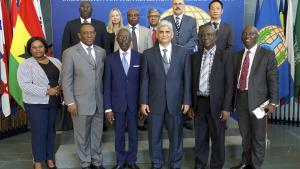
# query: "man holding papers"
[256,81]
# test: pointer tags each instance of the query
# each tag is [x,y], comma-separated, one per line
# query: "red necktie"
[153,36]
[244,72]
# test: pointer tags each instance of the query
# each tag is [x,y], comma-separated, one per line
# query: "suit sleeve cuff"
[108,110]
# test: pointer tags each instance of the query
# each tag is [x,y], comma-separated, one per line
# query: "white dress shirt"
[92,51]
[127,57]
[137,32]
[89,20]
[251,57]
[169,50]
[180,18]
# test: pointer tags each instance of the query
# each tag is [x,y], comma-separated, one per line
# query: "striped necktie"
[177,25]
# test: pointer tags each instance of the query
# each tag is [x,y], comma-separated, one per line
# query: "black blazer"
[220,82]
[225,37]
[263,78]
[70,37]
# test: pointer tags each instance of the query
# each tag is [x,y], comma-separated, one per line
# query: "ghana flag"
[27,25]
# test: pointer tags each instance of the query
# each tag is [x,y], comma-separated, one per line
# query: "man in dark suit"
[256,81]
[165,94]
[185,35]
[185,29]
[212,90]
[121,93]
[70,37]
[225,34]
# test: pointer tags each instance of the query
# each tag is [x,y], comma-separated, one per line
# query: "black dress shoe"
[118,167]
[133,166]
[242,166]
[97,167]
[142,128]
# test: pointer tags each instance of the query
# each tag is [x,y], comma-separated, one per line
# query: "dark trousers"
[155,137]
[206,127]
[252,132]
[121,119]
[42,120]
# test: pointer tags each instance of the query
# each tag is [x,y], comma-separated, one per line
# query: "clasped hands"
[54,91]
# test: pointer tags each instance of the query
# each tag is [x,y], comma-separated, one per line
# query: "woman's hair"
[36,38]
[110,26]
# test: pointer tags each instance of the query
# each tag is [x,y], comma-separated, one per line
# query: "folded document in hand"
[259,112]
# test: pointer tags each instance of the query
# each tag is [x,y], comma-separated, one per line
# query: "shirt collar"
[216,21]
[180,17]
[136,26]
[121,51]
[85,46]
[89,20]
[253,49]
[151,28]
[169,47]
[211,51]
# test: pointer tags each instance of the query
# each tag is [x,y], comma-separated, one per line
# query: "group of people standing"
[126,73]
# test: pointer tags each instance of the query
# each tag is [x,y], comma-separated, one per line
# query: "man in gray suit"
[225,34]
[165,94]
[140,35]
[82,72]
[185,29]
[256,81]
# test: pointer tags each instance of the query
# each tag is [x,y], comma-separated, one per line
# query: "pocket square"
[136,66]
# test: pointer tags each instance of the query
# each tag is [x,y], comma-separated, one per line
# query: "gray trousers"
[87,137]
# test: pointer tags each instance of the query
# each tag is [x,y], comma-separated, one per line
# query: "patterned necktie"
[85,21]
[215,25]
[177,25]
[89,49]
[134,39]
[125,63]
[244,72]
[153,36]
[204,74]
[166,62]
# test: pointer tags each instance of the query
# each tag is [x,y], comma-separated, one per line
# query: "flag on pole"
[27,25]
[37,6]
[297,53]
[289,34]
[271,36]
[13,13]
[257,11]
[282,14]
[5,42]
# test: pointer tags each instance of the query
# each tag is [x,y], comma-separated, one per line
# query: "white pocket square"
[136,66]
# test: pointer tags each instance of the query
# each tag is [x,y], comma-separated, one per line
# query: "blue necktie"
[125,63]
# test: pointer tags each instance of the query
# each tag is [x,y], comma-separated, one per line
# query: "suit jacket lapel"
[173,58]
[255,62]
[239,63]
[119,63]
[158,56]
[198,65]
[83,53]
